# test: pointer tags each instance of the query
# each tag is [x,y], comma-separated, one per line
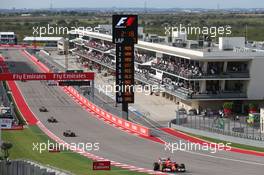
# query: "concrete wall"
[256,84]
[231,42]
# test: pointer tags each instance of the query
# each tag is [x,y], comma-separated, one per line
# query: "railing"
[220,95]
[236,127]
[224,75]
[97,61]
[189,94]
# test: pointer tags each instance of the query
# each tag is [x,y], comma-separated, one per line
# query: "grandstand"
[192,77]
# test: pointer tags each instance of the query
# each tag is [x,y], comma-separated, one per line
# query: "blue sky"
[132,3]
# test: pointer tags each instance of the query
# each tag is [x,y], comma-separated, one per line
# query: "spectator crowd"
[142,58]
[99,45]
[181,69]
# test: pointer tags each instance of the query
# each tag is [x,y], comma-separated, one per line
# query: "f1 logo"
[126,21]
[125,29]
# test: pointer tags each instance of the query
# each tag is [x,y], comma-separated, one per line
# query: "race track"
[115,144]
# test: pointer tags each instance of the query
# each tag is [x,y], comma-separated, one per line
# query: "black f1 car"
[52,120]
[69,133]
[43,109]
[166,165]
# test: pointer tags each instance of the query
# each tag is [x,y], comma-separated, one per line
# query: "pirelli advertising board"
[125,36]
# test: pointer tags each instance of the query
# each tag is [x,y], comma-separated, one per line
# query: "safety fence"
[26,167]
[236,126]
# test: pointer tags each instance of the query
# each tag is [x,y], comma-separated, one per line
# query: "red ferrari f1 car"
[166,165]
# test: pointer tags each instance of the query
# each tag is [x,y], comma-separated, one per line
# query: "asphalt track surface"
[115,144]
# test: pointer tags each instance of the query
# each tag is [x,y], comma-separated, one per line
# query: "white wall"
[256,83]
[231,42]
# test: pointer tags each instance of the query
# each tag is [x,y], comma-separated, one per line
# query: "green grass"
[247,147]
[23,149]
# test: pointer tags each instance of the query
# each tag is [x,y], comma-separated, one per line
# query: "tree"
[5,147]
[62,23]
[74,23]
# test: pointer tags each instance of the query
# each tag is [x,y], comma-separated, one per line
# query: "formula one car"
[69,133]
[52,120]
[43,109]
[166,165]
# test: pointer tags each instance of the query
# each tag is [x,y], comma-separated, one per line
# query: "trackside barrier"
[14,128]
[141,130]
[110,117]
[43,67]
